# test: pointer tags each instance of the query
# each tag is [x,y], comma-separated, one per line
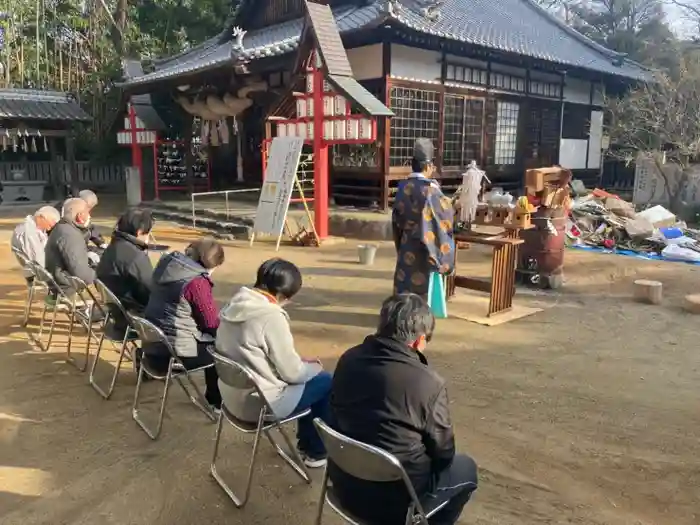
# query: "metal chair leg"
[197,400]
[38,337]
[28,305]
[115,375]
[296,465]
[69,358]
[322,499]
[251,467]
[53,323]
[135,410]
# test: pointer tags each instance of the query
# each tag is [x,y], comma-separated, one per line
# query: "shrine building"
[503,83]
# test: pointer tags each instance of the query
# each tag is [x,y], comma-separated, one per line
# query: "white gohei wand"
[469,192]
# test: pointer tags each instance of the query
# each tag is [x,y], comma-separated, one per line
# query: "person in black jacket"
[400,406]
[124,267]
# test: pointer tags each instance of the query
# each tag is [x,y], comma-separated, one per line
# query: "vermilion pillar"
[320,160]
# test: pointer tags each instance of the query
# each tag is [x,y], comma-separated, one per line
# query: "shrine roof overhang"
[34,104]
[510,26]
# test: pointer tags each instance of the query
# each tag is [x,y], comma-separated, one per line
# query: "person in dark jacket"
[66,252]
[182,305]
[125,268]
[401,407]
[91,233]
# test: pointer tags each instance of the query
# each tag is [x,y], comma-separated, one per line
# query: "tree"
[659,120]
[634,27]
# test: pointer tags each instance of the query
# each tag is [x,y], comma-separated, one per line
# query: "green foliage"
[77,46]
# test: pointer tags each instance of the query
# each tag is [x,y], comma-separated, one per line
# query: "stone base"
[239,225]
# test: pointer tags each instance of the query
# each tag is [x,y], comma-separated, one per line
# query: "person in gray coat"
[254,331]
[66,252]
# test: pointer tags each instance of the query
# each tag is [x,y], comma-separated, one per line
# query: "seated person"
[182,305]
[385,394]
[30,236]
[255,333]
[92,234]
[66,252]
[125,268]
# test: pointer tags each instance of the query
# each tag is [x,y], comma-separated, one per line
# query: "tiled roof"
[283,38]
[31,104]
[514,26]
[200,59]
[365,101]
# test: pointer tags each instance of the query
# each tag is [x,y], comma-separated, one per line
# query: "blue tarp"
[630,253]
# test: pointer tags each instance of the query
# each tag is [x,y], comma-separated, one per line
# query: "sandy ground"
[585,413]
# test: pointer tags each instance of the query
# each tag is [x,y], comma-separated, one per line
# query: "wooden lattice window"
[463,130]
[506,132]
[545,89]
[466,74]
[416,115]
[542,129]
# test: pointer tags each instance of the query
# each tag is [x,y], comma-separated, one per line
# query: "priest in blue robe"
[422,223]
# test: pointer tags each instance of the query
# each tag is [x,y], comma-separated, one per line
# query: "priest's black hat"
[423,150]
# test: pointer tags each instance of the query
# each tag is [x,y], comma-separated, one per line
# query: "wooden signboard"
[276,193]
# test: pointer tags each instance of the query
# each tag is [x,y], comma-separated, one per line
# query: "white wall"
[577,91]
[595,140]
[414,63]
[366,61]
[573,154]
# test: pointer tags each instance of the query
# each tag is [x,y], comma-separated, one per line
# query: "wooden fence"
[104,177]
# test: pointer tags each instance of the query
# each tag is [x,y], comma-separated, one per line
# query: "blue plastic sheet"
[630,253]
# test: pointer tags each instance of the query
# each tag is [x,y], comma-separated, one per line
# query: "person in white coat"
[255,332]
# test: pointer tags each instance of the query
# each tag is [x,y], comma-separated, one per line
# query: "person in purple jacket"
[182,305]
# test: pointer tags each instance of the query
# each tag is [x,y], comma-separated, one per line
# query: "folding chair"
[82,308]
[151,334]
[372,464]
[112,307]
[236,376]
[32,282]
[61,303]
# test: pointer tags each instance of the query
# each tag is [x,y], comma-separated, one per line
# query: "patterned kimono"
[422,222]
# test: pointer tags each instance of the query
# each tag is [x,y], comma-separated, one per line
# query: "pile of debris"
[605,221]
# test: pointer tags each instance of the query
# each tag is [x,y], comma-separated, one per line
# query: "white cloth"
[255,333]
[31,241]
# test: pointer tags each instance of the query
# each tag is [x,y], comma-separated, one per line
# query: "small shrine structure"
[37,144]
[325,105]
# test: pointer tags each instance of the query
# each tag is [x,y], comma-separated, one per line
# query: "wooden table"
[501,285]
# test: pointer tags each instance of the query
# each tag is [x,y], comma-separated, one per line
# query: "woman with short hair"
[182,305]
[255,333]
[124,267]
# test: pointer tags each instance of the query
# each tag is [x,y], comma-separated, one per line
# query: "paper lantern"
[328,105]
[329,130]
[352,130]
[341,105]
[365,129]
[340,129]
[310,83]
[281,130]
[301,107]
[301,130]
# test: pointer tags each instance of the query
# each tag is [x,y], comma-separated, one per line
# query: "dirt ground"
[585,413]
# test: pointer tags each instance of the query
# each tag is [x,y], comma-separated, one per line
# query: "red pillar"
[136,159]
[320,160]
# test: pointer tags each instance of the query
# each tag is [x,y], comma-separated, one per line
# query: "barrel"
[542,253]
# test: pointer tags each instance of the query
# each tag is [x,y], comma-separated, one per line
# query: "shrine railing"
[88,174]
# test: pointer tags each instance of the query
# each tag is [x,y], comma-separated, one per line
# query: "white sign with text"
[276,192]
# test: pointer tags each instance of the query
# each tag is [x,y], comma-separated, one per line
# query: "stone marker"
[648,291]
[692,303]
